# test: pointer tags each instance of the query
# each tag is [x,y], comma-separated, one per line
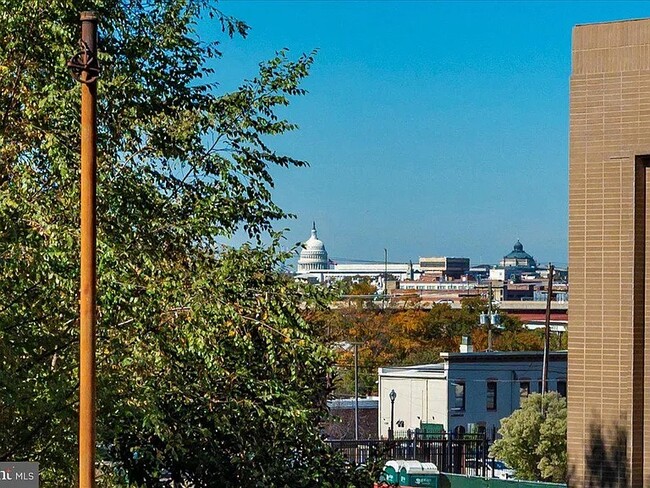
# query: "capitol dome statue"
[313,256]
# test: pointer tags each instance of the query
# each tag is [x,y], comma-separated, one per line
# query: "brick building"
[341,425]
[609,350]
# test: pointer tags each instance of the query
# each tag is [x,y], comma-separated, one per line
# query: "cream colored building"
[466,391]
[609,340]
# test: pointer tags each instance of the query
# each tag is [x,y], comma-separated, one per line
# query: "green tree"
[533,441]
[207,372]
[447,325]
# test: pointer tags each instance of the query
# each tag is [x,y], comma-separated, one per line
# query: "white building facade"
[467,391]
[315,266]
[313,258]
[437,285]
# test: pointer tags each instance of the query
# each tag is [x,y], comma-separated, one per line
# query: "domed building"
[518,261]
[314,256]
[519,257]
[314,266]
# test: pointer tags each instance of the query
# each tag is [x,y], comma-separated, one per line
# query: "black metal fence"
[451,454]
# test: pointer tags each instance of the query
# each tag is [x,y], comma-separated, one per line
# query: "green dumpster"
[392,470]
[432,431]
[426,474]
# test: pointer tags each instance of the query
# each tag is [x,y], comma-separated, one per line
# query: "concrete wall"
[438,402]
[411,403]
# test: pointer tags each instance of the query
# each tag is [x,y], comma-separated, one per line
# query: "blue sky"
[432,128]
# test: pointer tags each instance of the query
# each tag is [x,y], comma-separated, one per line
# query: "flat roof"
[423,370]
[500,356]
[368,403]
[437,370]
[507,305]
[613,21]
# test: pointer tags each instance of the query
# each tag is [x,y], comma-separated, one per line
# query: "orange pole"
[88,260]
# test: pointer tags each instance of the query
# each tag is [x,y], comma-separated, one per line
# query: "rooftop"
[500,357]
[368,403]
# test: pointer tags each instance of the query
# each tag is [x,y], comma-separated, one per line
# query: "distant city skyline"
[344,259]
[432,128]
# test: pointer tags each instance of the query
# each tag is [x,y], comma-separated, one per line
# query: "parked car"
[499,469]
[493,469]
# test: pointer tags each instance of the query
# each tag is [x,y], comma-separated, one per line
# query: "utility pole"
[547,330]
[489,317]
[385,275]
[356,391]
[85,69]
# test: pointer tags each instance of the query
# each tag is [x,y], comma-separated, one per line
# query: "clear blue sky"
[432,128]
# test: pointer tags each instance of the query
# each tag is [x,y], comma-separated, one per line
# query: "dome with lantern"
[518,257]
[313,256]
[517,263]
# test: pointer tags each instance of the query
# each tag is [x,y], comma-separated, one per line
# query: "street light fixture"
[392,395]
[490,319]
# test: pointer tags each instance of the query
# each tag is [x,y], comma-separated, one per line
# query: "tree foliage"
[533,441]
[401,337]
[358,291]
[207,372]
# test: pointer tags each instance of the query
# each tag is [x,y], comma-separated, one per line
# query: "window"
[561,387]
[491,395]
[459,395]
[524,390]
[548,386]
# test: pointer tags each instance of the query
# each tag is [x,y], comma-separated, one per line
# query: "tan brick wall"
[609,135]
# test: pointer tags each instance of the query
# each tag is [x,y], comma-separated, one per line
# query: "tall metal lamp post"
[356,390]
[392,395]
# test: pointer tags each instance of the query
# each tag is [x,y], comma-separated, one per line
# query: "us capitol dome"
[313,256]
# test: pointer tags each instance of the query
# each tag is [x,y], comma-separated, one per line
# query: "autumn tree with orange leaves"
[410,336]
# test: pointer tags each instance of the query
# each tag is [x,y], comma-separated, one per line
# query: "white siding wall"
[437,402]
[411,403]
[427,396]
